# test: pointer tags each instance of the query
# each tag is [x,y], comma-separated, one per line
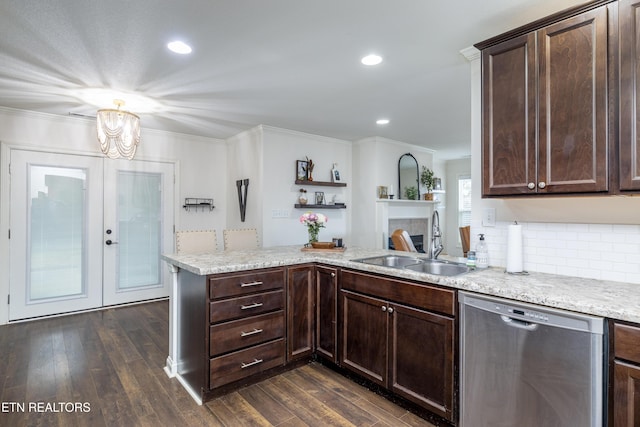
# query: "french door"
[86,232]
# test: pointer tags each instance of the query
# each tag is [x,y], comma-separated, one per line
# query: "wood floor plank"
[271,409]
[323,390]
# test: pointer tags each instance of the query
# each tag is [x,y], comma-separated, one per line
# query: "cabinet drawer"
[414,294]
[246,283]
[244,363]
[627,342]
[229,336]
[220,311]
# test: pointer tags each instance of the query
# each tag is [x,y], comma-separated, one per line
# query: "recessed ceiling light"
[179,47]
[371,59]
[382,121]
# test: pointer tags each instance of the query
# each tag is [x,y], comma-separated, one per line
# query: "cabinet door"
[572,88]
[422,358]
[326,312]
[626,395]
[300,303]
[364,336]
[629,13]
[509,117]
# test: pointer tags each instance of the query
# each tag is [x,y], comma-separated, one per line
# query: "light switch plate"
[489,217]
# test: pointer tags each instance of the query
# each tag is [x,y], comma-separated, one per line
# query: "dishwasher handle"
[521,324]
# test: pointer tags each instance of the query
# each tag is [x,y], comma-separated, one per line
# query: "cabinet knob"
[384,308]
[390,310]
[541,184]
[531,186]
[333,274]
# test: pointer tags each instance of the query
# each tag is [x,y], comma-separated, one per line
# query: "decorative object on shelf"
[302,198]
[118,132]
[310,166]
[335,173]
[383,192]
[242,196]
[427,179]
[437,184]
[319,197]
[411,193]
[301,170]
[391,193]
[194,203]
[314,223]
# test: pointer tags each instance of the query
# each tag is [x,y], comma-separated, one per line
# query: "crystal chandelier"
[118,132]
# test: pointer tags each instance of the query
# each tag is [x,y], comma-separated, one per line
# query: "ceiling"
[293,64]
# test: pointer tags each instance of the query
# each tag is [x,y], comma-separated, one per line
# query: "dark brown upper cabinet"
[629,16]
[545,108]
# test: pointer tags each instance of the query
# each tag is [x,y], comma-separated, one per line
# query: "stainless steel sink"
[423,265]
[440,268]
[395,261]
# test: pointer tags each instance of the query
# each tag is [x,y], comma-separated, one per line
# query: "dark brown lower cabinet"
[404,349]
[300,308]
[626,391]
[326,312]
[626,375]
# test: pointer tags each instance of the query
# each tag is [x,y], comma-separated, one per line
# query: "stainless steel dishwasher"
[525,365]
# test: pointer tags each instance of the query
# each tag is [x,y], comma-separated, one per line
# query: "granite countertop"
[615,300]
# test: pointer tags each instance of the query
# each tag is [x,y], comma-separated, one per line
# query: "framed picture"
[319,197]
[383,192]
[301,170]
[437,184]
[335,174]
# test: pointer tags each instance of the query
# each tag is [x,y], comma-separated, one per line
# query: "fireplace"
[418,242]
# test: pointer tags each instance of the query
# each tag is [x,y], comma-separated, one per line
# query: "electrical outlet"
[489,217]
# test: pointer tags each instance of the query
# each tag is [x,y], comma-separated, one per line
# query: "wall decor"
[383,192]
[319,197]
[335,173]
[242,196]
[301,170]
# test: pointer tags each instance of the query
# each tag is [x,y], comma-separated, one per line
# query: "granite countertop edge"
[616,300]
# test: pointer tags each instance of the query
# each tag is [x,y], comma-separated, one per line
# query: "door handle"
[110,242]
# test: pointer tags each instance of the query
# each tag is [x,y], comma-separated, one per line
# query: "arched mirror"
[408,178]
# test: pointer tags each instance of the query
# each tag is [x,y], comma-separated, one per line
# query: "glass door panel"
[55,246]
[140,227]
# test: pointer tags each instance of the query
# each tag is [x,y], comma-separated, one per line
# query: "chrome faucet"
[436,236]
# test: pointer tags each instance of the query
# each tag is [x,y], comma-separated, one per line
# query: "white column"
[171,367]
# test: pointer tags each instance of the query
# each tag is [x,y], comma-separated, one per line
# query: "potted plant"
[411,193]
[426,179]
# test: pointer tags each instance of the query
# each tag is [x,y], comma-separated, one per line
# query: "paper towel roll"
[514,249]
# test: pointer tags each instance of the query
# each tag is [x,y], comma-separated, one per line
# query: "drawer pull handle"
[247,334]
[255,362]
[246,285]
[254,305]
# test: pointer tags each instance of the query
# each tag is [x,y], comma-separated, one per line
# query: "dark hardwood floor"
[104,368]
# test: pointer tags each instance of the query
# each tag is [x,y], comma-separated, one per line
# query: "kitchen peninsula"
[271,308]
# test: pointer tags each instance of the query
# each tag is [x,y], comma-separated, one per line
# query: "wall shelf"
[308,206]
[321,183]
[194,203]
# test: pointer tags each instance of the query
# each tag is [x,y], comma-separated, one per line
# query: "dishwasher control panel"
[531,313]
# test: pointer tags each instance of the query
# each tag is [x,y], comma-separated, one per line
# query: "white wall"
[200,168]
[375,161]
[281,149]
[596,237]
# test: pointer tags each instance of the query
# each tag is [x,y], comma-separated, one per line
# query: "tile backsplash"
[596,251]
